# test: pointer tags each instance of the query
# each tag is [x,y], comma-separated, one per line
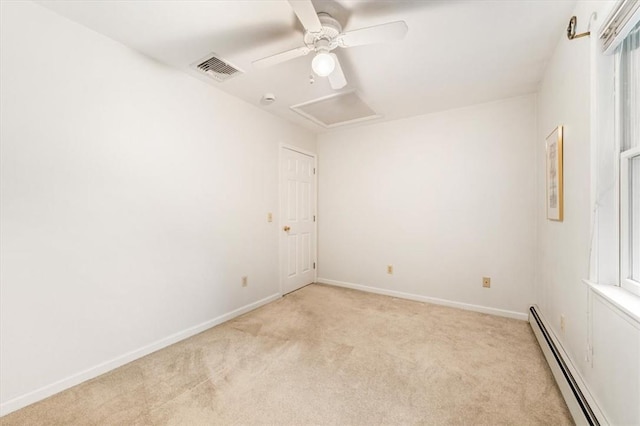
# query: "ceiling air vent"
[217,68]
[336,110]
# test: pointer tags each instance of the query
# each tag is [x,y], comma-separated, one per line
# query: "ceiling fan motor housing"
[325,38]
[323,33]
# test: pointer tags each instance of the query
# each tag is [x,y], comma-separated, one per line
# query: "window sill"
[621,299]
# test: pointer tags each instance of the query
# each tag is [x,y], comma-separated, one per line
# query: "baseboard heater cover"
[576,401]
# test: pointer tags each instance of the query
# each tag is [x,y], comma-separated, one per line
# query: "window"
[628,74]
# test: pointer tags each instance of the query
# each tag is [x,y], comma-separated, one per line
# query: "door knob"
[287,229]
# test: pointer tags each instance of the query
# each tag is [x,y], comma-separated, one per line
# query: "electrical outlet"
[562,323]
[269,217]
[486,282]
[389,269]
[245,281]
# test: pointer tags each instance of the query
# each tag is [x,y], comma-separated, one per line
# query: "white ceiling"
[456,53]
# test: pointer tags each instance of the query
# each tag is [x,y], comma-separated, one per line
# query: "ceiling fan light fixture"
[323,64]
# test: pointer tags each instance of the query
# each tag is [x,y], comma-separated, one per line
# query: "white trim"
[419,298]
[298,149]
[281,223]
[626,157]
[616,160]
[632,286]
[95,371]
[594,169]
[622,302]
[567,394]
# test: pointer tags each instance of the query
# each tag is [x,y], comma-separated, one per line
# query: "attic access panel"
[336,110]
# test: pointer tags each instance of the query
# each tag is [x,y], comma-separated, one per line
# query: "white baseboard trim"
[90,373]
[467,306]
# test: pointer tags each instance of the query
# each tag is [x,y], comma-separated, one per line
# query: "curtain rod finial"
[571,29]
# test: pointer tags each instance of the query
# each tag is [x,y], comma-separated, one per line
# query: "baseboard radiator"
[570,385]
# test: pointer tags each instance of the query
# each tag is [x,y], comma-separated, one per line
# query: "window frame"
[626,263]
[623,185]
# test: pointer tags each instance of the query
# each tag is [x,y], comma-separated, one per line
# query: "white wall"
[447,198]
[563,247]
[133,200]
[571,94]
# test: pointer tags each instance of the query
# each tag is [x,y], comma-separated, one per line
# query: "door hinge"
[314,217]
[314,170]
[314,265]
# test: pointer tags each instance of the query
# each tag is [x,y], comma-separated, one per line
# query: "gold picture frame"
[554,181]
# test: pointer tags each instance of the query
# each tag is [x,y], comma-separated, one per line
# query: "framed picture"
[554,175]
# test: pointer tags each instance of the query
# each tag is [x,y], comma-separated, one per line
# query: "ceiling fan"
[323,34]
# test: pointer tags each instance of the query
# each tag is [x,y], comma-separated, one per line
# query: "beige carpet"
[325,355]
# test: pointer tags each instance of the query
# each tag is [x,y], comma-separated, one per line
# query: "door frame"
[282,146]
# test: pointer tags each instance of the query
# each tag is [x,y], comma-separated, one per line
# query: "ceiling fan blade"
[281,57]
[307,15]
[376,34]
[337,80]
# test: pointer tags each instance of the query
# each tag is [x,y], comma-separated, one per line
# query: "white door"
[297,219]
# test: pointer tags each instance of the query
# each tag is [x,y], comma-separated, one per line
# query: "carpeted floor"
[326,355]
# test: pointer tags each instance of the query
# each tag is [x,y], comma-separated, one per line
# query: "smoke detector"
[268,99]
